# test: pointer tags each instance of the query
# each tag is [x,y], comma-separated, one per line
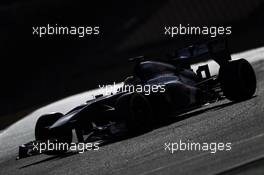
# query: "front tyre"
[136,110]
[43,134]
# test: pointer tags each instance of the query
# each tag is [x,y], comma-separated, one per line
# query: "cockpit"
[149,69]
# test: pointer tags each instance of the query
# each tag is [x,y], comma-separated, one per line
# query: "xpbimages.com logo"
[212,31]
[79,31]
[145,89]
[58,146]
[195,146]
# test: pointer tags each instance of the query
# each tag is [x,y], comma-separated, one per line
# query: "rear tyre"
[237,80]
[43,134]
[137,112]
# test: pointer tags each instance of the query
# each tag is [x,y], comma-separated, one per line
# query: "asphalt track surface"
[242,124]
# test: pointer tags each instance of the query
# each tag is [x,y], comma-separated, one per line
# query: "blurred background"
[36,71]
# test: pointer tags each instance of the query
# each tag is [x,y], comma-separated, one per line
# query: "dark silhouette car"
[172,86]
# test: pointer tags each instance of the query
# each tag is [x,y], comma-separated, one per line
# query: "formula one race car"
[157,89]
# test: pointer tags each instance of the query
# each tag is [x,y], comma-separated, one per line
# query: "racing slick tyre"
[137,112]
[43,134]
[237,80]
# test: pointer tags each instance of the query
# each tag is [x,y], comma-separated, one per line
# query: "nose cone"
[63,121]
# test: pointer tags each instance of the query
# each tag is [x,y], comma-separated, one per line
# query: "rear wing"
[216,50]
